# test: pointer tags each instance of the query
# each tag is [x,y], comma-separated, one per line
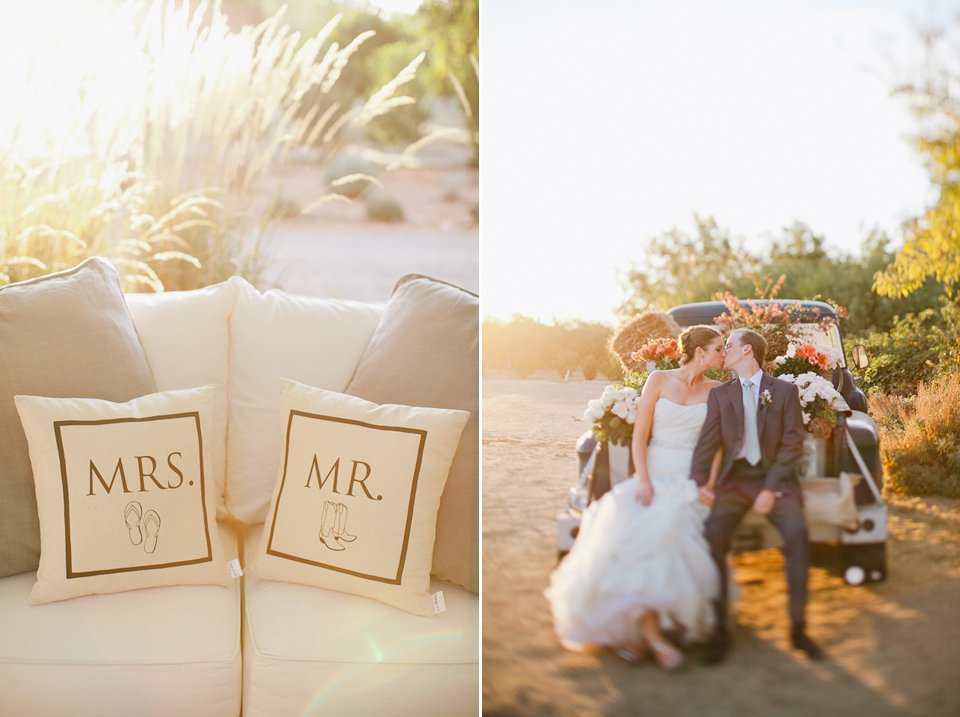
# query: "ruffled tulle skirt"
[629,558]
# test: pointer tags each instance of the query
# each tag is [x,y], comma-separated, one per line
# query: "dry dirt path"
[894,647]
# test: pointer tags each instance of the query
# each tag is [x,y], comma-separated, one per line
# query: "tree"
[681,268]
[932,242]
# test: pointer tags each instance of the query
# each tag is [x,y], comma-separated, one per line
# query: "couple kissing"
[651,556]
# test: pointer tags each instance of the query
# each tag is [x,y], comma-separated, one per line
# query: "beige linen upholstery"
[276,335]
[63,335]
[425,352]
[146,653]
[186,339]
[310,651]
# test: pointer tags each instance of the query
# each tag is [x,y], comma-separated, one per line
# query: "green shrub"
[349,165]
[524,363]
[611,368]
[383,208]
[920,440]
[590,366]
[903,357]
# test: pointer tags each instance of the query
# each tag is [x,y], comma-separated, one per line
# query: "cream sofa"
[257,647]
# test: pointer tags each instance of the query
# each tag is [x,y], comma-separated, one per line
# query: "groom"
[756,419]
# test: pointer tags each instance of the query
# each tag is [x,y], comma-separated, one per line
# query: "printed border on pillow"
[58,430]
[421,436]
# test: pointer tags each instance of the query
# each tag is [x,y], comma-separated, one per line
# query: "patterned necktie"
[751,439]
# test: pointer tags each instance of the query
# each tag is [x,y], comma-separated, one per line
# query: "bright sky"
[605,124]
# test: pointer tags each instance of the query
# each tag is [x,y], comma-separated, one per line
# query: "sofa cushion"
[66,334]
[274,335]
[186,339]
[425,352]
[123,493]
[163,651]
[355,503]
[312,651]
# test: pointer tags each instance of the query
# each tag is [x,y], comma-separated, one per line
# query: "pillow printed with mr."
[355,503]
[124,493]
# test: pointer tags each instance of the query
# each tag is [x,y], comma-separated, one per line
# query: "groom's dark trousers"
[734,498]
[781,432]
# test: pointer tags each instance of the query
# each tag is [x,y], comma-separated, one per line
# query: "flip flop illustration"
[133,523]
[151,525]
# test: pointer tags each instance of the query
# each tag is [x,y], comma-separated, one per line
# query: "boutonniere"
[765,396]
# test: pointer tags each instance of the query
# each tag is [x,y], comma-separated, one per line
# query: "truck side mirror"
[860,359]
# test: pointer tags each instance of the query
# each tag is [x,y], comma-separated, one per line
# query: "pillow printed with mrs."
[354,508]
[125,494]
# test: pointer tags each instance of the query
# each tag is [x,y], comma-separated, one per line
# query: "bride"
[640,562]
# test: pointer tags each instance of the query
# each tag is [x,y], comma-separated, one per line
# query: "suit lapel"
[766,383]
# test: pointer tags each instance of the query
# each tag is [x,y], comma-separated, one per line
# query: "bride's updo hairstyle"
[696,337]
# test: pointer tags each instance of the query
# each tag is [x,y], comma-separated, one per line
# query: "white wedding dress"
[629,558]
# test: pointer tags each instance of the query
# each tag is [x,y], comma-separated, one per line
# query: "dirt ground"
[334,250]
[893,647]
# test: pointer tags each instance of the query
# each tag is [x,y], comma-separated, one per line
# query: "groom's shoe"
[717,647]
[800,641]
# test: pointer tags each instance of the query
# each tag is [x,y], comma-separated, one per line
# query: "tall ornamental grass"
[136,131]
[920,438]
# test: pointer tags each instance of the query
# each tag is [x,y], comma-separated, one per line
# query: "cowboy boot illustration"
[328,526]
[341,525]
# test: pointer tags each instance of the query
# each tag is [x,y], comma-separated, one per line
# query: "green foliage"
[921,439]
[383,208]
[349,165]
[152,154]
[918,348]
[590,366]
[611,368]
[402,125]
[682,269]
[524,363]
[561,346]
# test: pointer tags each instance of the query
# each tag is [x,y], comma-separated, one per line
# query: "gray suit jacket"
[779,422]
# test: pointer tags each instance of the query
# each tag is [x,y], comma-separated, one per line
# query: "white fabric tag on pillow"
[438,604]
[235,570]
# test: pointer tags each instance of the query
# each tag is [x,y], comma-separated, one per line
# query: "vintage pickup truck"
[853,449]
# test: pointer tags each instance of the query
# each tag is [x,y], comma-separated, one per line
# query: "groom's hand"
[706,496]
[764,502]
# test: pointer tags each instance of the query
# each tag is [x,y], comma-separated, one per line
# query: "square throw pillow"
[354,507]
[186,337]
[124,494]
[63,335]
[426,351]
[276,335]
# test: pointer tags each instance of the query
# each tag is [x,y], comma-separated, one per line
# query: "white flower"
[780,360]
[806,418]
[594,412]
[628,393]
[791,350]
[610,396]
[632,416]
[765,397]
[619,409]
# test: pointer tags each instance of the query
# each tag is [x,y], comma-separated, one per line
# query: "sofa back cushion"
[64,335]
[125,500]
[426,352]
[276,335]
[185,335]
